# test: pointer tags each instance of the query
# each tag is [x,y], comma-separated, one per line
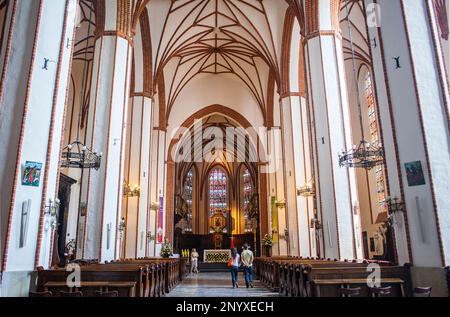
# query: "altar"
[216,256]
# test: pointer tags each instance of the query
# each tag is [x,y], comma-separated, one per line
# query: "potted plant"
[166,249]
[268,243]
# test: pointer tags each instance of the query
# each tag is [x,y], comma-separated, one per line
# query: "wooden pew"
[168,272]
[289,275]
[147,271]
[325,281]
[127,280]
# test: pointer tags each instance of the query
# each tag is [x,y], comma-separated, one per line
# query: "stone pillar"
[102,190]
[335,186]
[289,173]
[271,152]
[137,173]
[414,105]
[298,173]
[35,75]
[153,192]
[158,189]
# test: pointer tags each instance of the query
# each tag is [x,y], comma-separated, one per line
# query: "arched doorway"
[216,201]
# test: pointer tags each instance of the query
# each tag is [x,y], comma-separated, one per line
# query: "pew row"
[298,277]
[148,277]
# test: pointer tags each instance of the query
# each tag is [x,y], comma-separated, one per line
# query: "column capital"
[290,94]
[120,34]
[148,95]
[322,33]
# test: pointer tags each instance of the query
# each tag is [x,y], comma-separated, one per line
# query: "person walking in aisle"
[235,262]
[247,261]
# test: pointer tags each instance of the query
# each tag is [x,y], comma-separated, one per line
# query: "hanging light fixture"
[366,155]
[77,154]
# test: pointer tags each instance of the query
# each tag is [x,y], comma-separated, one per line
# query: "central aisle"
[218,285]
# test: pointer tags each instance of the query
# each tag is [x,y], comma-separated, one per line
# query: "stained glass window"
[188,189]
[375,139]
[247,186]
[218,193]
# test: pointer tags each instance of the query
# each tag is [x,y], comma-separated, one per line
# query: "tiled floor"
[218,285]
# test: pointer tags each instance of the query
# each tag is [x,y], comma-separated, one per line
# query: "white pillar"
[102,190]
[336,186]
[32,96]
[299,172]
[158,188]
[415,106]
[290,179]
[137,173]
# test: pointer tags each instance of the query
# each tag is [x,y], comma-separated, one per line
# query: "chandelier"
[131,191]
[77,155]
[367,155]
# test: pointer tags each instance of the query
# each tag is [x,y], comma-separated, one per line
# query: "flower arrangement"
[166,249]
[268,240]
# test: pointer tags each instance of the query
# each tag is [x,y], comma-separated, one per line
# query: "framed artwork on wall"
[414,174]
[32,174]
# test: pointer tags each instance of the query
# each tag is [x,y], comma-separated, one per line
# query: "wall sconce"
[154,206]
[150,236]
[53,210]
[122,226]
[281,204]
[285,236]
[131,191]
[53,207]
[306,191]
[394,205]
[274,231]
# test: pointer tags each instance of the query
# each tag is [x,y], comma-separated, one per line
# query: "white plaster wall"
[325,15]
[61,96]
[324,170]
[138,61]
[111,15]
[425,250]
[34,146]
[144,177]
[435,120]
[289,174]
[207,90]
[12,105]
[383,90]
[133,175]
[106,129]
[300,129]
[114,176]
[336,105]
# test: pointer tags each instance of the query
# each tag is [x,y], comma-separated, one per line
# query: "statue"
[181,208]
[252,208]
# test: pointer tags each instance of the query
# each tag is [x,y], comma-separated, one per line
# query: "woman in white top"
[236,259]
